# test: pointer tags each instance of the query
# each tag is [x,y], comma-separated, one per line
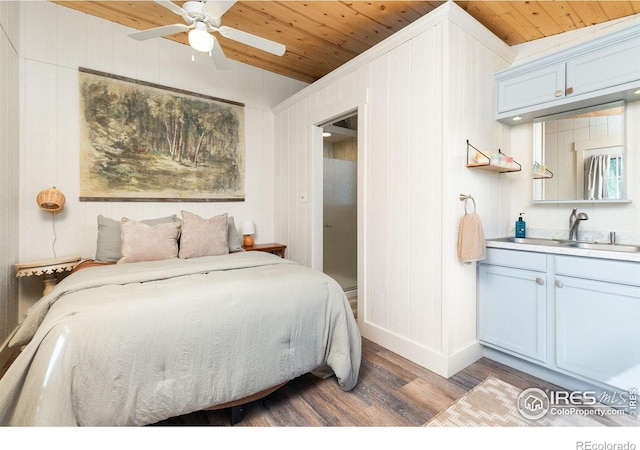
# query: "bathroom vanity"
[563,313]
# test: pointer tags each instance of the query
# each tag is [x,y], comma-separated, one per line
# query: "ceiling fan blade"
[160,31]
[253,40]
[218,57]
[217,8]
[172,7]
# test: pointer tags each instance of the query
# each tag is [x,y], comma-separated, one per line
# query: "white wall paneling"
[425,91]
[9,167]
[55,41]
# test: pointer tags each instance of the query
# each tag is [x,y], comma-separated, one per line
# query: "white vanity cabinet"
[597,315]
[577,316]
[512,313]
[599,71]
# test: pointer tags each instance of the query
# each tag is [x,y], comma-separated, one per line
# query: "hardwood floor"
[391,392]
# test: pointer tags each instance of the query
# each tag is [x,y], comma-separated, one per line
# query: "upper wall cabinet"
[602,70]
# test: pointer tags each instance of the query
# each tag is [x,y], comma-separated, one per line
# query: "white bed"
[137,343]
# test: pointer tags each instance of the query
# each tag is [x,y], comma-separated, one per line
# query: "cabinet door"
[604,68]
[512,310]
[531,88]
[597,332]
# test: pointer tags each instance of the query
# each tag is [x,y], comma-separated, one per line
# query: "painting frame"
[145,142]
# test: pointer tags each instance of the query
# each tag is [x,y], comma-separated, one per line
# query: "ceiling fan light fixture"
[200,39]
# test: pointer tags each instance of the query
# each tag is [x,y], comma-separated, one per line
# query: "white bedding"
[133,344]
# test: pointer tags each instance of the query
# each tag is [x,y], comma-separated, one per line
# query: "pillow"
[203,237]
[109,241]
[144,242]
[233,237]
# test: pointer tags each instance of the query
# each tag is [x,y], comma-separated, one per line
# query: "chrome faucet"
[574,221]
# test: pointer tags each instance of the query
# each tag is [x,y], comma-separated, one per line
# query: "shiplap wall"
[420,95]
[9,168]
[55,41]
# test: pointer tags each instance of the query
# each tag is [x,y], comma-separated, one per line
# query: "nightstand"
[49,268]
[276,249]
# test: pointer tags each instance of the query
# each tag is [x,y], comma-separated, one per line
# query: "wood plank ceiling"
[323,35]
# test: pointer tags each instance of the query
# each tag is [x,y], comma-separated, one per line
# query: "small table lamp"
[248,229]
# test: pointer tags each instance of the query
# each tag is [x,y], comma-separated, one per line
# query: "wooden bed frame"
[236,405]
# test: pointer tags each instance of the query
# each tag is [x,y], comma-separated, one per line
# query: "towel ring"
[464,198]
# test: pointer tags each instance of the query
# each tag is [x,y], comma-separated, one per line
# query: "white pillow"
[203,237]
[143,242]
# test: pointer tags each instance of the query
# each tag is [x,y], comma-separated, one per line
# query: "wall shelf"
[480,160]
[541,175]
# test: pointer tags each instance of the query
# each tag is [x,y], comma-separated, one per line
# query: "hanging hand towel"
[471,244]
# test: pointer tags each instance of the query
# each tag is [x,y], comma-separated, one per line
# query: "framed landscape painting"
[144,142]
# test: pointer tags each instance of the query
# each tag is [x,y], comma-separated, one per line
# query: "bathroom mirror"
[579,156]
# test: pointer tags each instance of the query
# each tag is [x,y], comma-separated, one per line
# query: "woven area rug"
[493,403]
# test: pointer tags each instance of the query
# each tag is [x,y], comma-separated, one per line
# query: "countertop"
[560,250]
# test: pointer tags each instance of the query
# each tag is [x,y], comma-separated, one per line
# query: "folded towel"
[471,245]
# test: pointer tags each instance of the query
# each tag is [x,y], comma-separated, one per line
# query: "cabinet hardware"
[539,280]
[569,91]
[558,93]
[559,283]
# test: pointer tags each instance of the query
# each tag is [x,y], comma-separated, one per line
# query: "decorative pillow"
[233,237]
[109,240]
[143,242]
[203,237]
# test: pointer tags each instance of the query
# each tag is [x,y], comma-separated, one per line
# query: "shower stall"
[340,189]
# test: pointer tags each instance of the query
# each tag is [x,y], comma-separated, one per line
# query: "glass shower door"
[340,222]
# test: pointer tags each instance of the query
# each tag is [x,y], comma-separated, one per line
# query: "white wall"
[420,95]
[55,41]
[9,168]
[553,219]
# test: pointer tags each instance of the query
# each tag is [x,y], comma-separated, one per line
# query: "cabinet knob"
[569,91]
[539,280]
[558,93]
[559,283]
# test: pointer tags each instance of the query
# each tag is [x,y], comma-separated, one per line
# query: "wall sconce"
[51,200]
[248,229]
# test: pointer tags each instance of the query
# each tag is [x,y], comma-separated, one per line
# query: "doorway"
[340,204]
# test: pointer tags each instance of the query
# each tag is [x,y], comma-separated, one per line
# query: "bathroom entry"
[340,209]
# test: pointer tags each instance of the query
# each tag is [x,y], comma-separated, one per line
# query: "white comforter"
[133,344]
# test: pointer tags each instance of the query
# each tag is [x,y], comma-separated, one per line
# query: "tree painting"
[141,141]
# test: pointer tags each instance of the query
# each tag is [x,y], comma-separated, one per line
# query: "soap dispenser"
[521,227]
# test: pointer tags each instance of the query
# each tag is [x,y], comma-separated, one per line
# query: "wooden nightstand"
[49,268]
[276,249]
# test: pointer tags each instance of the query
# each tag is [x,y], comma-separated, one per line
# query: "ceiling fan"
[202,18]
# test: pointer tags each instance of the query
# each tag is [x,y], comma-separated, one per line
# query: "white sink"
[572,244]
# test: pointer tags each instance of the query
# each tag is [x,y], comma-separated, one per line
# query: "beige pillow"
[144,242]
[203,237]
[109,236]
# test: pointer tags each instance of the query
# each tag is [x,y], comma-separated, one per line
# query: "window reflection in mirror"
[585,153]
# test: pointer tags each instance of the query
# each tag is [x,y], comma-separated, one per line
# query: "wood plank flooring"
[391,392]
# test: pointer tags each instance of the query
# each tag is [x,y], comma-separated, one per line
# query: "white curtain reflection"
[597,178]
